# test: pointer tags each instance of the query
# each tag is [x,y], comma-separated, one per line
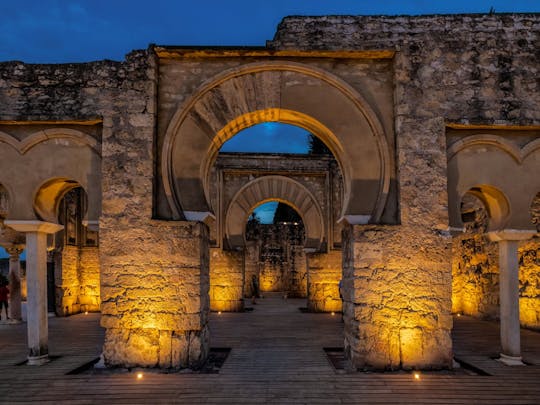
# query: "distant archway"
[274,188]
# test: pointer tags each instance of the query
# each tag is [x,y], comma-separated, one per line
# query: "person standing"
[254,288]
[4,294]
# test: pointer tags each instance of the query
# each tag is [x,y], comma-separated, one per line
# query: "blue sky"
[54,31]
[59,31]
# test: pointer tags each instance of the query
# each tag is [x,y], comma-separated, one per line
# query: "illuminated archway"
[290,93]
[274,188]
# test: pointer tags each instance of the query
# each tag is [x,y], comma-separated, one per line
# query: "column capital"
[14,250]
[510,235]
[33,226]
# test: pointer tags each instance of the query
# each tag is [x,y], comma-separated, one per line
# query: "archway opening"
[475,261]
[275,257]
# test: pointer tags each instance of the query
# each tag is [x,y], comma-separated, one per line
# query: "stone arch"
[38,137]
[274,188]
[48,196]
[286,92]
[494,201]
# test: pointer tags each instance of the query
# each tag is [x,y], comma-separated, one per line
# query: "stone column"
[36,276]
[15,283]
[508,240]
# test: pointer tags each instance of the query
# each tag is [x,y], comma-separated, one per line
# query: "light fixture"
[416,376]
[139,376]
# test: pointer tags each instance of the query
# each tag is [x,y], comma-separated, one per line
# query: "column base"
[15,321]
[38,360]
[511,360]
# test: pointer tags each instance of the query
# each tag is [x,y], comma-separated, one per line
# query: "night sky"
[60,31]
[55,31]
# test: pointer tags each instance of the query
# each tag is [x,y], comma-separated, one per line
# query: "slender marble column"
[15,284]
[36,279]
[508,240]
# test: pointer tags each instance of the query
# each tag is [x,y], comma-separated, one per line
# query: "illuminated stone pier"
[36,279]
[508,241]
[15,283]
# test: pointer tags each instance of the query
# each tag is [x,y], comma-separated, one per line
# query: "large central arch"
[285,92]
[278,188]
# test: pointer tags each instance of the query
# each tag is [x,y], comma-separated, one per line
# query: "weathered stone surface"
[155,300]
[396,297]
[226,280]
[324,274]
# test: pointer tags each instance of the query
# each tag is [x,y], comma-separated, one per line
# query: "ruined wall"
[475,276]
[251,266]
[226,280]
[154,275]
[324,274]
[67,281]
[463,69]
[155,295]
[396,293]
[89,292]
[77,280]
[475,284]
[298,278]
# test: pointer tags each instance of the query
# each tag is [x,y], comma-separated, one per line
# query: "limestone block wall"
[67,283]
[77,280]
[464,69]
[396,293]
[475,276]
[324,274]
[226,280]
[251,266]
[272,275]
[475,279]
[298,274]
[89,294]
[155,295]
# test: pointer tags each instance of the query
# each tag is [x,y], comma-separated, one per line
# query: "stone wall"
[529,283]
[77,280]
[155,295]
[396,298]
[67,281]
[226,280]
[324,274]
[475,284]
[89,294]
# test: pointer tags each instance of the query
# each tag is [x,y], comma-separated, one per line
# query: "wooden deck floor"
[277,357]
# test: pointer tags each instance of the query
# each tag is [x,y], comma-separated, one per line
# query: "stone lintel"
[166,52]
[511,234]
[33,226]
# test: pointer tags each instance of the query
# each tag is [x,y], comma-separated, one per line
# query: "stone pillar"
[324,274]
[36,276]
[15,283]
[508,240]
[154,291]
[226,280]
[396,297]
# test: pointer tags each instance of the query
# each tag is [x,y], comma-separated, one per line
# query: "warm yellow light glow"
[139,376]
[333,313]
[86,312]
[458,315]
[219,312]
[416,376]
